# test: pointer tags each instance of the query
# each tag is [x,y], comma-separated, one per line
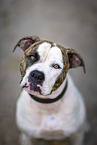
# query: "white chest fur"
[51,121]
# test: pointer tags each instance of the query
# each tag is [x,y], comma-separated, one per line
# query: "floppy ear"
[75,59]
[25,42]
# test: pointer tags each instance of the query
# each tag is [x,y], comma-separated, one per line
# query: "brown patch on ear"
[25,42]
[75,59]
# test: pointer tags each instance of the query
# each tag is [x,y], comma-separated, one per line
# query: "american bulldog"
[49,107]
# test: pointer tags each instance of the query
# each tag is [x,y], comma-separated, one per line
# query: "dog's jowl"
[49,107]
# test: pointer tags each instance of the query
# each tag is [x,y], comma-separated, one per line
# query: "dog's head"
[44,65]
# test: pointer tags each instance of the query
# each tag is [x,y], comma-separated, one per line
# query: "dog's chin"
[33,91]
[36,91]
[35,88]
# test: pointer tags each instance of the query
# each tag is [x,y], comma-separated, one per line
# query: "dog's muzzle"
[36,79]
[48,100]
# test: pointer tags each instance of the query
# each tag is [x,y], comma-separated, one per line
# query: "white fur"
[57,120]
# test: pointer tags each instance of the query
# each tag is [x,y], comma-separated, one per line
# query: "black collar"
[47,101]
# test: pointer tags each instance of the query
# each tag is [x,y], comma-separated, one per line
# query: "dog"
[49,107]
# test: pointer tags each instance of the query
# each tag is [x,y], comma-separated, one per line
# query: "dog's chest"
[33,121]
[51,128]
[50,122]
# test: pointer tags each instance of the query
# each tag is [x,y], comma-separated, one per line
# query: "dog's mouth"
[29,86]
[35,87]
[25,86]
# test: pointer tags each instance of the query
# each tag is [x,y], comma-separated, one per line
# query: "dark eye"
[56,66]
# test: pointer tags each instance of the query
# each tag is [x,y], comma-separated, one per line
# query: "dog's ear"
[75,60]
[25,42]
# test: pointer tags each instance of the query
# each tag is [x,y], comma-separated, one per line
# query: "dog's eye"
[56,66]
[32,57]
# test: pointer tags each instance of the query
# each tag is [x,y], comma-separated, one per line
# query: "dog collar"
[47,101]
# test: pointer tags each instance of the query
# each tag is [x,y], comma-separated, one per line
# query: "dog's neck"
[54,97]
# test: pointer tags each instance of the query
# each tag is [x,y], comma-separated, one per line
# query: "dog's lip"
[25,86]
[39,86]
[31,87]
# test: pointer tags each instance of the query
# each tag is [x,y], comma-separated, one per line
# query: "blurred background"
[71,23]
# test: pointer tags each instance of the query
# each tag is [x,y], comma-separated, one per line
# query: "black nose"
[37,76]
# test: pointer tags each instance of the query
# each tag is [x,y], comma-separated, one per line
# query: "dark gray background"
[71,23]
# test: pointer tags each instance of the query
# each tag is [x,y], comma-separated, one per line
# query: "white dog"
[49,107]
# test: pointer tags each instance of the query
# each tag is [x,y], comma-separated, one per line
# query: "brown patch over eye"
[33,57]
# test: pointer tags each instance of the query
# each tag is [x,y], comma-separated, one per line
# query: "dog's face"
[45,64]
